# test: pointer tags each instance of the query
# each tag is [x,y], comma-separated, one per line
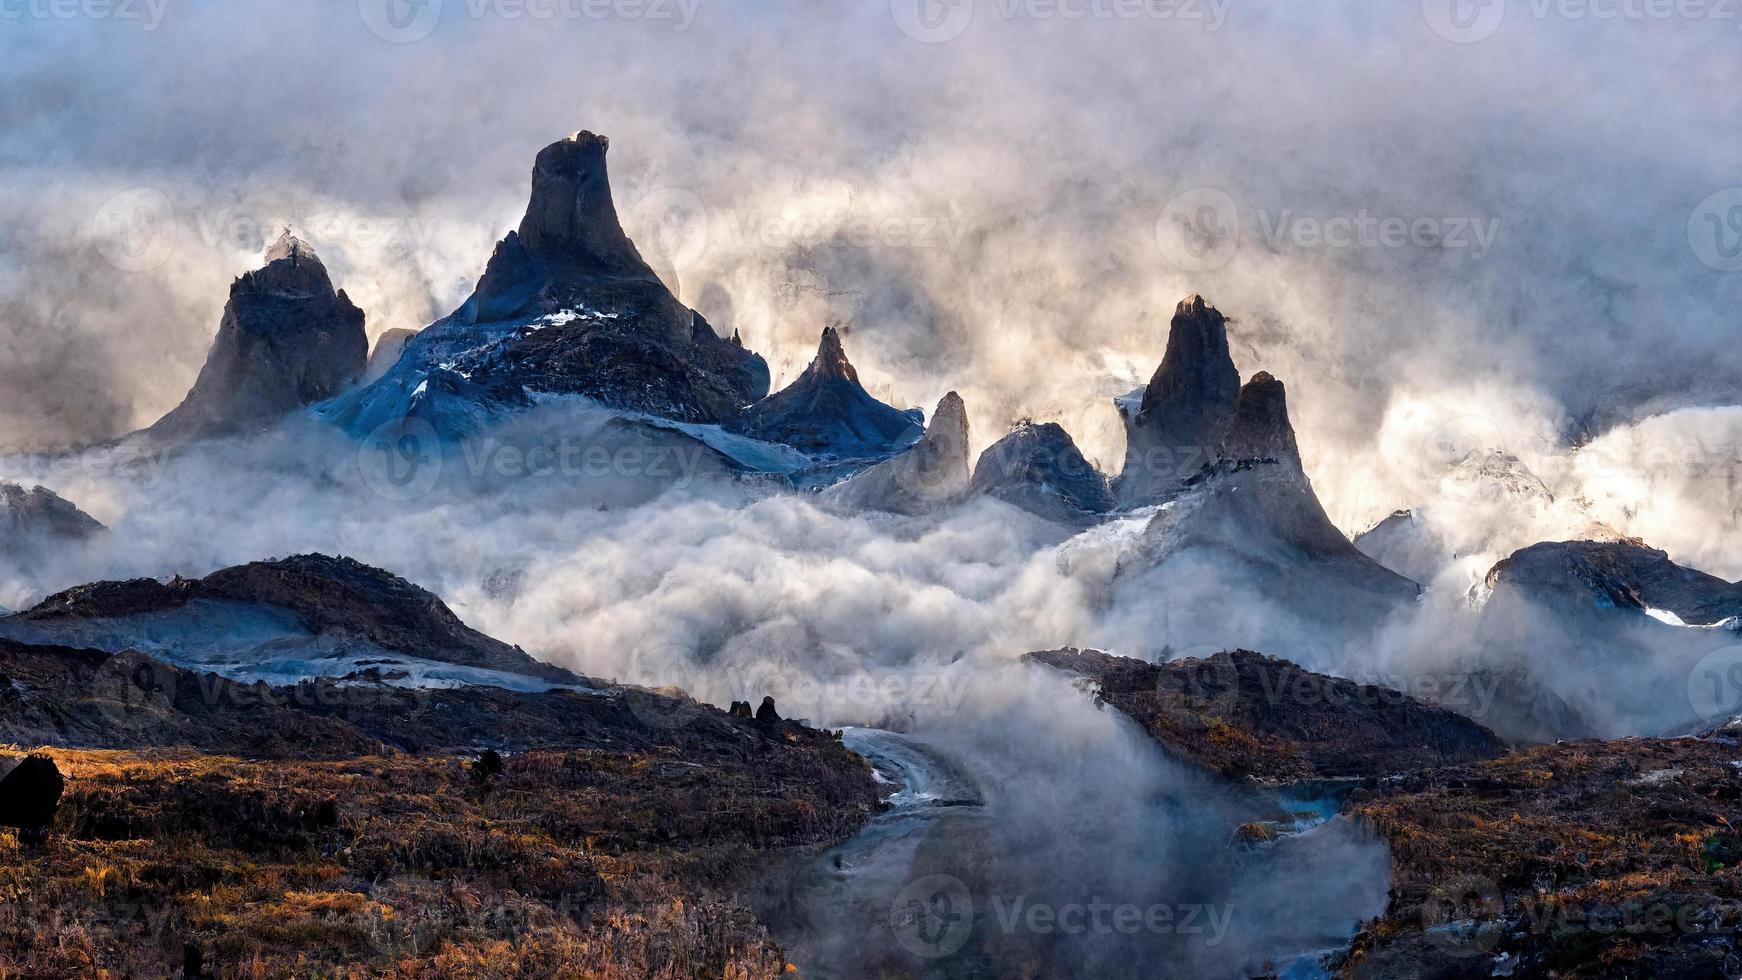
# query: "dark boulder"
[766,713]
[29,796]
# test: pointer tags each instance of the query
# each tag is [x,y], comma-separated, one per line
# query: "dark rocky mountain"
[39,515]
[1255,506]
[933,472]
[1243,714]
[1039,468]
[828,415]
[308,615]
[566,306]
[1622,576]
[286,340]
[1178,423]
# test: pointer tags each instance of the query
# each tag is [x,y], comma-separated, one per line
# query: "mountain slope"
[308,615]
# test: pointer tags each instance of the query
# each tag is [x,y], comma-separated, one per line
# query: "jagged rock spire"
[1260,429]
[934,472]
[286,340]
[571,217]
[831,360]
[1179,423]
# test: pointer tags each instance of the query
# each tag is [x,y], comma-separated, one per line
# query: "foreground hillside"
[1582,859]
[567,863]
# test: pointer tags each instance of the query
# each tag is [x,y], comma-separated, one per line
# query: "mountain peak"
[571,217]
[1185,408]
[290,267]
[287,339]
[1260,429]
[831,360]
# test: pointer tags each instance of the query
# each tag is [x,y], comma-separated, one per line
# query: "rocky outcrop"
[1243,714]
[1624,577]
[303,612]
[1255,507]
[286,340]
[565,306]
[828,414]
[1039,468]
[40,516]
[932,473]
[1178,424]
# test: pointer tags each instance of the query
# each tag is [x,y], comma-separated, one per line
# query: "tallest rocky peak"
[1185,408]
[571,217]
